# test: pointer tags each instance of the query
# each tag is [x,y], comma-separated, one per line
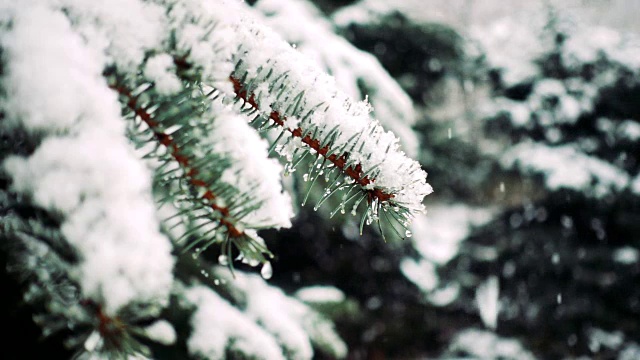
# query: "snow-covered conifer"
[134,159]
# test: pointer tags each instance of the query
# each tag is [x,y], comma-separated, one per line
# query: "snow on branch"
[290,93]
[243,316]
[222,179]
[357,73]
[284,90]
[218,326]
[102,196]
[342,135]
[564,167]
[180,81]
[297,328]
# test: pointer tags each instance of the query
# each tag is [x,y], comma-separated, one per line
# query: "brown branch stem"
[352,171]
[183,161]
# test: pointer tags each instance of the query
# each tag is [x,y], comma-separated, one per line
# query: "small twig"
[352,171]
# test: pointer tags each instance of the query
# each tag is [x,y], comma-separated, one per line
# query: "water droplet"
[305,177]
[216,281]
[266,271]
[501,186]
[223,260]
[408,233]
[204,273]
[449,134]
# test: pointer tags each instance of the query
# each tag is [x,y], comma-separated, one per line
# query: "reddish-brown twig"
[352,171]
[191,173]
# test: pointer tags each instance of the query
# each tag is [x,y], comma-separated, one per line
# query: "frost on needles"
[143,124]
[282,91]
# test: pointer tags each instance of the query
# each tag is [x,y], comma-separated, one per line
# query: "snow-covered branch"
[139,114]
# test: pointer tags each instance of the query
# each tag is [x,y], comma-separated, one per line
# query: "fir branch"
[217,211]
[37,260]
[379,199]
[183,160]
[281,89]
[111,329]
[353,171]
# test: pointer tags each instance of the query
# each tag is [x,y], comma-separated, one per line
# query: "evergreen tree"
[532,246]
[133,161]
[566,249]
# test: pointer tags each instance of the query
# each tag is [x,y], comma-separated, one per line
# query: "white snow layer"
[158,69]
[252,45]
[377,151]
[487,345]
[588,44]
[506,40]
[86,171]
[626,255]
[294,324]
[212,51]
[437,238]
[161,331]
[251,168]
[600,339]
[352,68]
[629,129]
[51,78]
[320,294]
[119,30]
[511,46]
[420,272]
[487,300]
[635,185]
[281,320]
[217,325]
[553,102]
[566,167]
[90,176]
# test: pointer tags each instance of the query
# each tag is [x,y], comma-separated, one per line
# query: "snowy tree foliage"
[567,128]
[536,237]
[132,159]
[525,115]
